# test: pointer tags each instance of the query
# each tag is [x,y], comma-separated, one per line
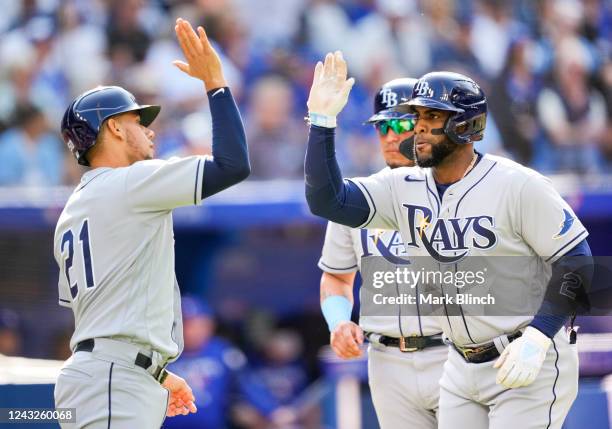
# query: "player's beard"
[439,152]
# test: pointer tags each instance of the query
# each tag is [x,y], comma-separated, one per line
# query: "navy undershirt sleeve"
[327,194]
[230,158]
[550,318]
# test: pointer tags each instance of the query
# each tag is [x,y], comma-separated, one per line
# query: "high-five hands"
[202,60]
[330,87]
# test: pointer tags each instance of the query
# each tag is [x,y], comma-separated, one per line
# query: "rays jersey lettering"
[387,244]
[443,236]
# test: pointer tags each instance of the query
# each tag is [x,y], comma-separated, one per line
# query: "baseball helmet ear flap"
[467,131]
[406,148]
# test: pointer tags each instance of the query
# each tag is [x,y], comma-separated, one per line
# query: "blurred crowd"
[545,65]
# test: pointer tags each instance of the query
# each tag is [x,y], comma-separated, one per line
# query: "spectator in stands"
[572,114]
[455,52]
[512,100]
[282,370]
[492,32]
[216,371]
[60,344]
[10,335]
[30,154]
[274,132]
[127,40]
[395,34]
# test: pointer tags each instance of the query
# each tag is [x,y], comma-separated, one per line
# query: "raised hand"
[202,60]
[330,87]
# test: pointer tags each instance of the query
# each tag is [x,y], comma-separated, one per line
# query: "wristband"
[321,120]
[336,309]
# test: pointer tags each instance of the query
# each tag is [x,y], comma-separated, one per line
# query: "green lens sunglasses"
[398,125]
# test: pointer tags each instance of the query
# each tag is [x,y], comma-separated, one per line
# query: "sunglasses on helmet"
[398,125]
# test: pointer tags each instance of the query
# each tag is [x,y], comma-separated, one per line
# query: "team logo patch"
[565,225]
[389,98]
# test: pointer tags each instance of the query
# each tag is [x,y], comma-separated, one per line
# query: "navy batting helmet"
[390,95]
[84,117]
[456,93]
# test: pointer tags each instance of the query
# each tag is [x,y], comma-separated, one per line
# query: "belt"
[159,372]
[484,353]
[407,344]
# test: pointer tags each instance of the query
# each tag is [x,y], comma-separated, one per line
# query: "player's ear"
[114,127]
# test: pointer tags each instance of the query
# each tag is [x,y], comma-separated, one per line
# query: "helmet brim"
[409,106]
[383,115]
[148,113]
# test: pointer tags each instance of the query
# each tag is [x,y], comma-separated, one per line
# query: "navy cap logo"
[422,89]
[389,98]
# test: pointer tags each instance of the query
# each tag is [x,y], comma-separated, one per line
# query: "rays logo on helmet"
[389,98]
[422,89]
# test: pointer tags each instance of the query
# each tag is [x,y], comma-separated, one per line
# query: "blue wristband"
[336,309]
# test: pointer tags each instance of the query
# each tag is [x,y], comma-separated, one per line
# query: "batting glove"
[330,89]
[521,361]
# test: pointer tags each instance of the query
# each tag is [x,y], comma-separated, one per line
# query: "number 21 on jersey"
[67,249]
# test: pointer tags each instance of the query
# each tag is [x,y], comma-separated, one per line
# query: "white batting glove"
[330,87]
[522,360]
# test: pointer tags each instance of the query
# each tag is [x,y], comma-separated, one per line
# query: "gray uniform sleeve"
[338,255]
[159,185]
[547,222]
[378,191]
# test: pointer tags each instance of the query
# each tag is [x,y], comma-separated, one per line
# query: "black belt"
[141,360]
[409,344]
[485,353]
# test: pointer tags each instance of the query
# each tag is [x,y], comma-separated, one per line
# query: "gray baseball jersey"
[114,245]
[343,250]
[499,209]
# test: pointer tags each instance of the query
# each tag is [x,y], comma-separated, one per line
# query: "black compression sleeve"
[230,162]
[327,194]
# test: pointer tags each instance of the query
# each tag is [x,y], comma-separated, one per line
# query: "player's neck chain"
[467,170]
[471,166]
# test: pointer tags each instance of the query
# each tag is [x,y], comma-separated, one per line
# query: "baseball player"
[410,400]
[519,370]
[115,249]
